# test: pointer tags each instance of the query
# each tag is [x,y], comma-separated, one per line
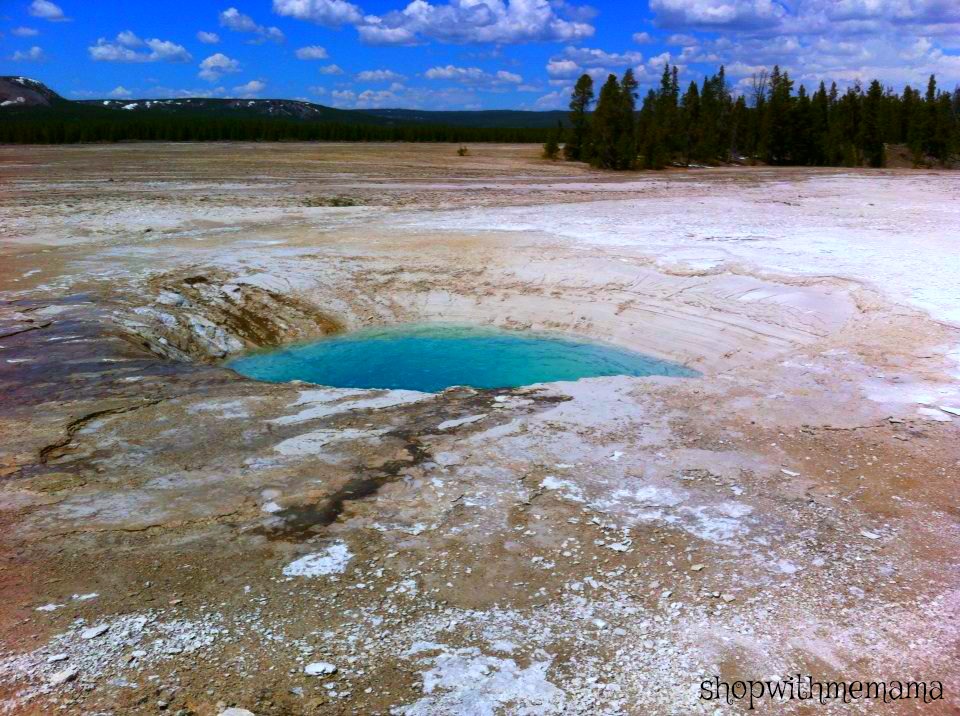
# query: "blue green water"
[431,358]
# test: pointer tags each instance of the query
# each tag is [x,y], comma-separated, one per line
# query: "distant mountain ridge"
[25,92]
[239,108]
[20,95]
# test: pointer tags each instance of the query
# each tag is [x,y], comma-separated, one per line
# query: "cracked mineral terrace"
[178,538]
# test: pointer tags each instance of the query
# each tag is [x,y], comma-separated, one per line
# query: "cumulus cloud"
[233,19]
[331,70]
[398,95]
[715,14]
[208,38]
[329,13]
[563,68]
[559,99]
[129,39]
[474,76]
[313,52]
[597,63]
[24,32]
[589,57]
[896,41]
[251,89]
[119,92]
[642,38]
[379,76]
[127,47]
[469,21]
[46,10]
[215,66]
[203,92]
[457,21]
[34,54]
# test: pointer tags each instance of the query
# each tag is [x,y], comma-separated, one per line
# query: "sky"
[461,54]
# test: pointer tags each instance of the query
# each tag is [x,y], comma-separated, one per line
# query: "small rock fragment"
[56,657]
[62,677]
[697,567]
[94,632]
[319,668]
[870,535]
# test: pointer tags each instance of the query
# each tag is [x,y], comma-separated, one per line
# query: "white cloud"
[469,21]
[642,38]
[458,21]
[215,66]
[589,57]
[329,13]
[379,76]
[122,49]
[129,39]
[554,100]
[399,95]
[473,76]
[24,32]
[251,89]
[165,92]
[563,68]
[119,92]
[450,72]
[681,39]
[313,52]
[208,38]
[375,32]
[233,19]
[719,13]
[34,54]
[331,70]
[167,51]
[46,10]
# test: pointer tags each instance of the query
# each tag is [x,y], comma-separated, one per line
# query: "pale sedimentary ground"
[597,547]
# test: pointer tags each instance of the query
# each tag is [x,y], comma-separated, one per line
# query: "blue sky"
[460,54]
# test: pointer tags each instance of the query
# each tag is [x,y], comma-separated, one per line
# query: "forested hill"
[23,97]
[201,107]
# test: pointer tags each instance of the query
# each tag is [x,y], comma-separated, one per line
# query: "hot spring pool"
[431,358]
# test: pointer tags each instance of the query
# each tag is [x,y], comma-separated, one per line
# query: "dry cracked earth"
[179,539]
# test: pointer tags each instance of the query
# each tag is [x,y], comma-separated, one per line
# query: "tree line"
[706,124]
[54,129]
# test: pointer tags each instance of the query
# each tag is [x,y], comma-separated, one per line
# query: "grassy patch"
[332,201]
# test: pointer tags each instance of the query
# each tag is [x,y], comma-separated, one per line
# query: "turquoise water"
[431,358]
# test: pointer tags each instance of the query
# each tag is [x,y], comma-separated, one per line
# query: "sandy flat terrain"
[177,538]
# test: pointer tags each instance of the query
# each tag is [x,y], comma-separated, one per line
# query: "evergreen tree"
[871,138]
[605,128]
[577,147]
[626,143]
[800,147]
[690,128]
[551,148]
[775,128]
